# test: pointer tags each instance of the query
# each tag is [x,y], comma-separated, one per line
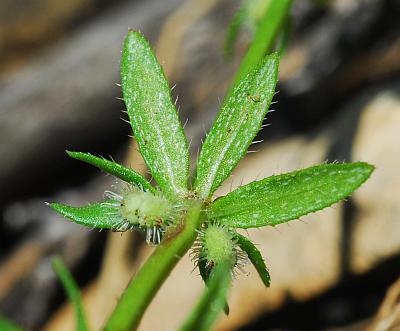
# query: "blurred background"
[338,100]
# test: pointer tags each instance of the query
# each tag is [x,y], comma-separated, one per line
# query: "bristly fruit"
[217,244]
[151,212]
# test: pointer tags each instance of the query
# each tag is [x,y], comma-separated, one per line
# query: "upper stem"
[263,40]
[143,287]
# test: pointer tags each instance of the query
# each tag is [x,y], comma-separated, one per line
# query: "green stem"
[142,289]
[264,38]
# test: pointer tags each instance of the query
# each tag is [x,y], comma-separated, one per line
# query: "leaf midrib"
[166,155]
[220,160]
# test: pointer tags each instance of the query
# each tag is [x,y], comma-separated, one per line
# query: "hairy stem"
[143,287]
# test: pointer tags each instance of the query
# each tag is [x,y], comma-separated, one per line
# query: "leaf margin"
[96,215]
[126,174]
[215,164]
[255,258]
[235,222]
[170,170]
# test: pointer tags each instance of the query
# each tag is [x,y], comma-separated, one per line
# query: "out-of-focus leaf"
[256,10]
[236,125]
[99,215]
[212,300]
[283,38]
[72,291]
[6,325]
[205,274]
[279,199]
[126,174]
[264,38]
[153,116]
[255,258]
[233,30]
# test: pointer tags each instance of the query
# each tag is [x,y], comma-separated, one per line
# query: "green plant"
[267,21]
[72,291]
[6,325]
[180,212]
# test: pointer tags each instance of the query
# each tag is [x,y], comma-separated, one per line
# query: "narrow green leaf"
[205,274]
[264,39]
[279,199]
[236,125]
[153,117]
[232,32]
[255,258]
[212,300]
[6,325]
[99,215]
[284,36]
[115,169]
[72,291]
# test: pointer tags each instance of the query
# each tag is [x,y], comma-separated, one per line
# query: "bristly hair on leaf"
[279,199]
[153,116]
[126,174]
[236,125]
[255,258]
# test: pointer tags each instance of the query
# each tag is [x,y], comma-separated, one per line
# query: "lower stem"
[143,287]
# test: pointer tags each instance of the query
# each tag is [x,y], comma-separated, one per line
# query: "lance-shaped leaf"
[72,291]
[153,116]
[237,124]
[126,174]
[255,258]
[282,198]
[212,300]
[99,215]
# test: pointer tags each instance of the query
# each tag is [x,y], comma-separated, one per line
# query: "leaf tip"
[368,166]
[72,154]
[59,208]
[132,33]
[366,169]
[274,56]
